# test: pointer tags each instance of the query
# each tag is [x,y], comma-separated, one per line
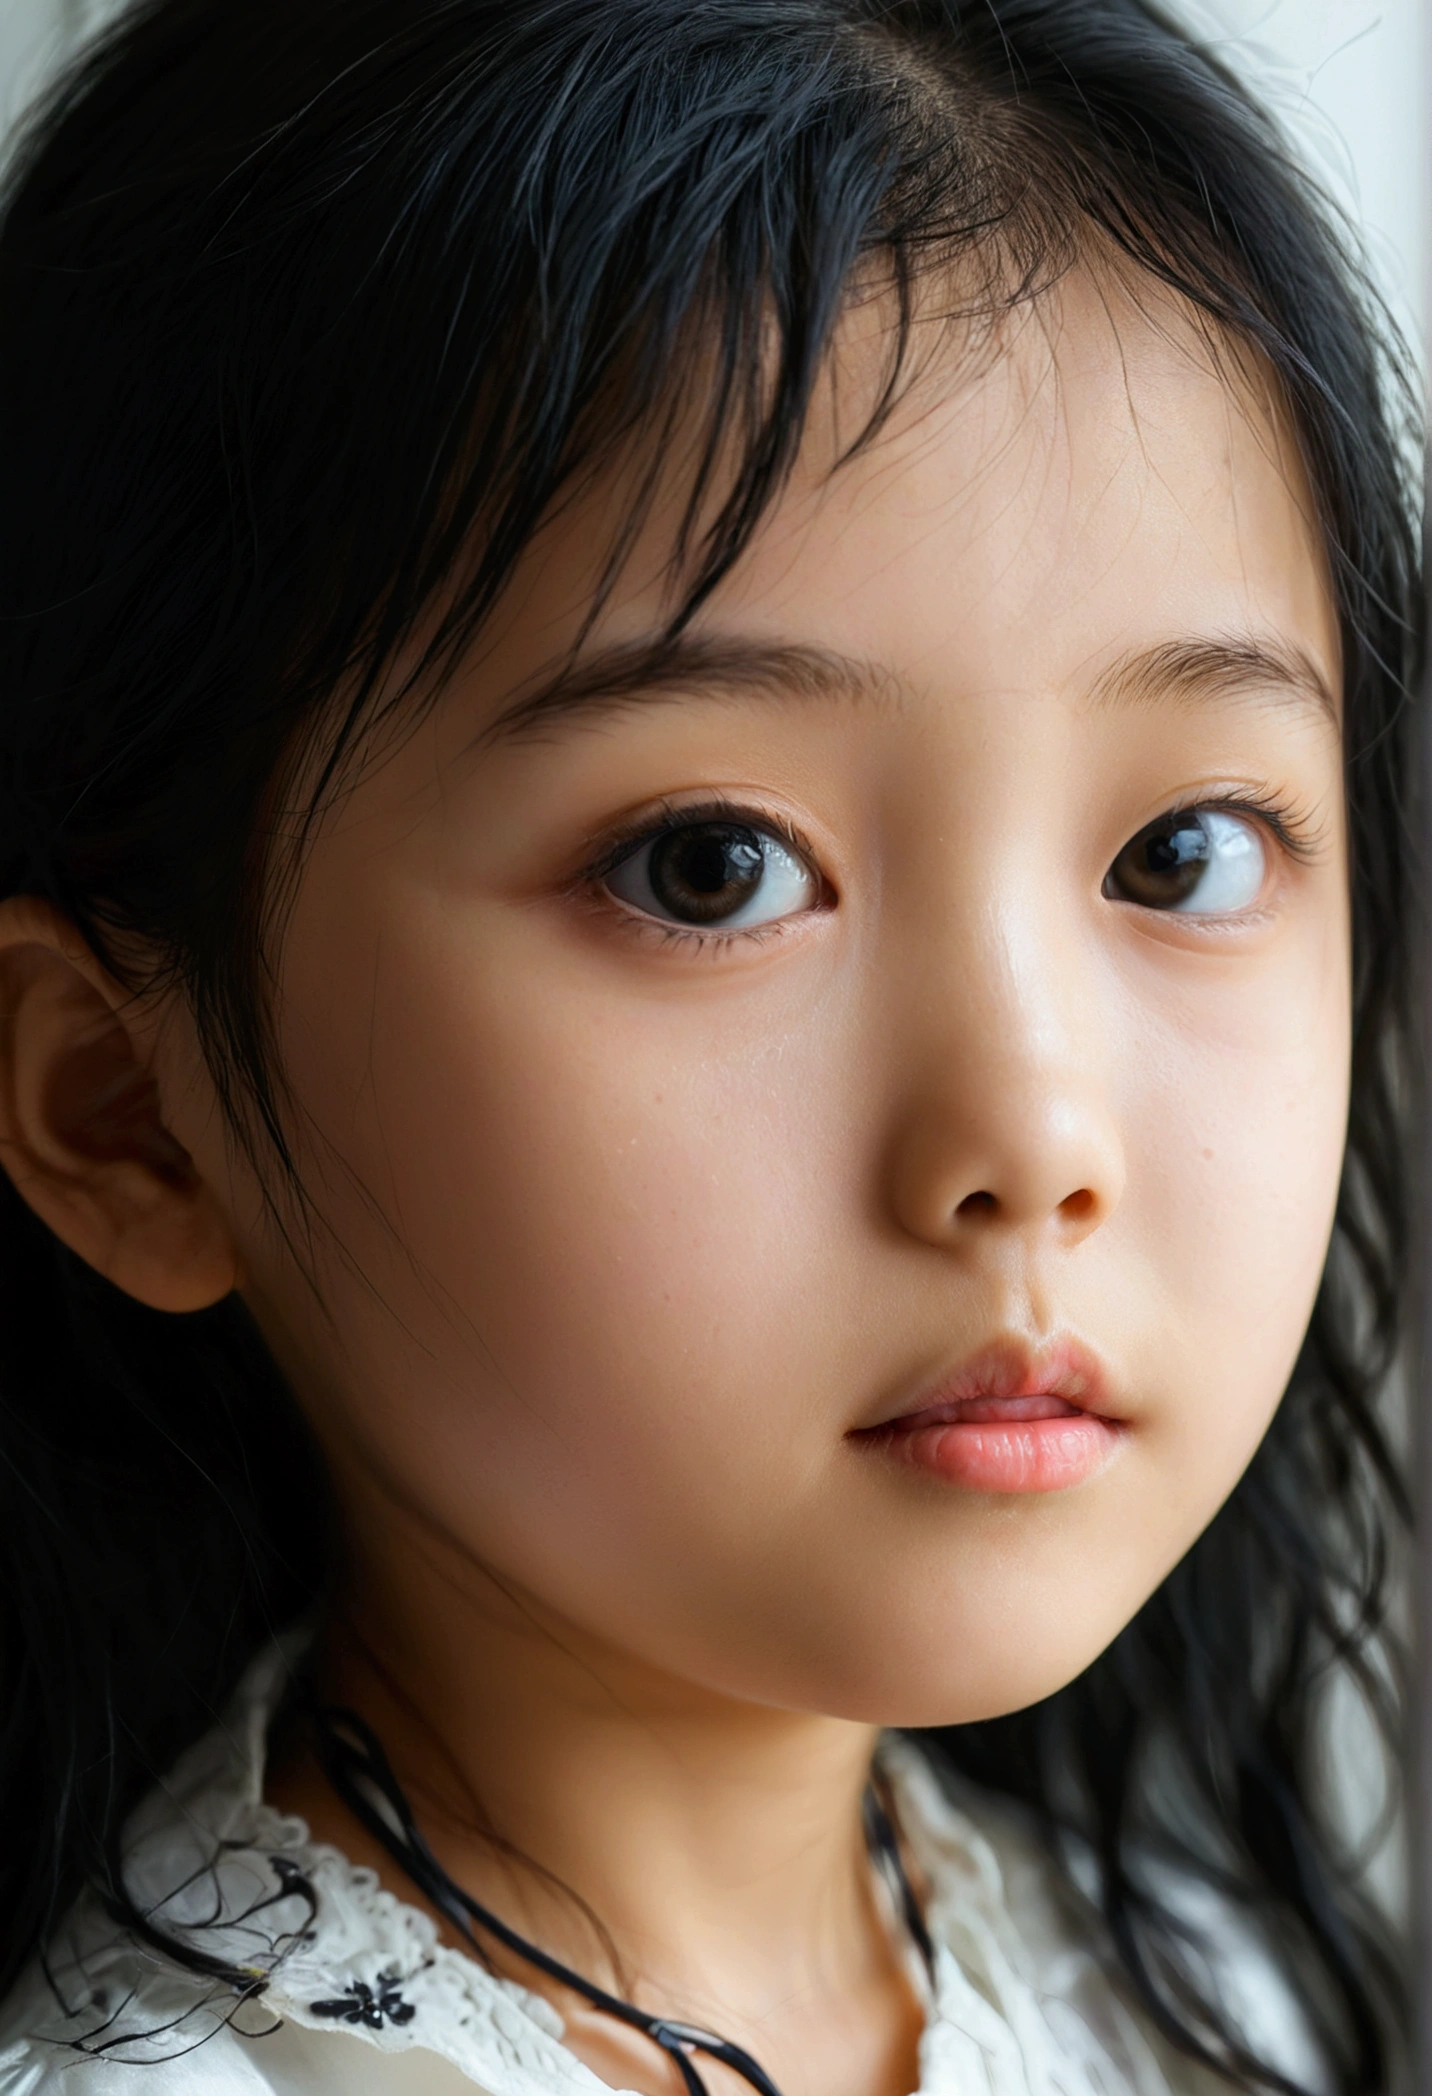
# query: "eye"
[728,874]
[1202,860]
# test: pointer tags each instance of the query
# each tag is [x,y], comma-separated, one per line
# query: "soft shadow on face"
[638,1229]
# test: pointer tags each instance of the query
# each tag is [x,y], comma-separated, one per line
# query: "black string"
[885,1847]
[355,1764]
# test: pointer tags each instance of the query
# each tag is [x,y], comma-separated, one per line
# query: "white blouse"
[359,1997]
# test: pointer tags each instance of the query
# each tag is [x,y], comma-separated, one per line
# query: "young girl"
[704,714]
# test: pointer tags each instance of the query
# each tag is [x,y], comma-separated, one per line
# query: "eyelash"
[623,844]
[1289,829]
[1293,831]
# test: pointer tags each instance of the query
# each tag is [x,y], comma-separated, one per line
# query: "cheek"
[606,1250]
[1238,1120]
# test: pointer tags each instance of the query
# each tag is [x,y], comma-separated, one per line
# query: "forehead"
[1096,477]
[1099,470]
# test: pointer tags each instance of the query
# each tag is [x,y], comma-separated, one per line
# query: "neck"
[701,1856]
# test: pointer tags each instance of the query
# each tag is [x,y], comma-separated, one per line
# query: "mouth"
[1013,1418]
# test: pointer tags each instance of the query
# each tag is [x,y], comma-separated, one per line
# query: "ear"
[81,1130]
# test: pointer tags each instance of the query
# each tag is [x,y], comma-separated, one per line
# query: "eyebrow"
[662,667]
[1228,666]
[691,665]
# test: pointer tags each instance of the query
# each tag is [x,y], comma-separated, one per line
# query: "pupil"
[706,871]
[1176,848]
[707,864]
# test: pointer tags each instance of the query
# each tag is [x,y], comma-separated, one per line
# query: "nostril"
[977,1204]
[1078,1207]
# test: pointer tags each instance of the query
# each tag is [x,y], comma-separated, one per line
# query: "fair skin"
[632,1236]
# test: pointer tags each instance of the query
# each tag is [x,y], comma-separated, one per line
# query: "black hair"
[310,310]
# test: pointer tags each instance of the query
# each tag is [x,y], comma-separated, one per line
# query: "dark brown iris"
[1163,865]
[706,871]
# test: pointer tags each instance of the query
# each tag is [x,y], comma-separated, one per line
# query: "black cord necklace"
[354,1762]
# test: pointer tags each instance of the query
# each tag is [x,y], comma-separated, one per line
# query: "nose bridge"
[1008,1117]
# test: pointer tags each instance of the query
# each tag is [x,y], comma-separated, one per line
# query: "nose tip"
[1057,1175]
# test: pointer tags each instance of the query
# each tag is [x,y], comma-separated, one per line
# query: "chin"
[969,1677]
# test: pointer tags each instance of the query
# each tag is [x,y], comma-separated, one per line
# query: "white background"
[31,31]
[1350,80]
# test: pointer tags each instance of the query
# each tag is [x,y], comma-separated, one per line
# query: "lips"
[1013,1418]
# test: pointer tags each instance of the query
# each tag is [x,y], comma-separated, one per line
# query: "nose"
[1005,1124]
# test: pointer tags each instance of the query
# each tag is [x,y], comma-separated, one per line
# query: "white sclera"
[786,887]
[1234,870]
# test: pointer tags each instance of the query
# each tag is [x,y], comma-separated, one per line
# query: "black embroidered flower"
[376,2005]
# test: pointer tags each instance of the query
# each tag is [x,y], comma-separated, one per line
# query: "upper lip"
[1010,1366]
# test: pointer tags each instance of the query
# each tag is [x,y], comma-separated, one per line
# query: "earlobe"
[82,1133]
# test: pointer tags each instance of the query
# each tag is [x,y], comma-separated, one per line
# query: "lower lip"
[1006,1455]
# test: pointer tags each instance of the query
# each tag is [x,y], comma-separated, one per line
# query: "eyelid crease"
[1297,833]
[624,843]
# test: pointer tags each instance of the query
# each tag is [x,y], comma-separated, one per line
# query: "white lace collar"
[1021,2006]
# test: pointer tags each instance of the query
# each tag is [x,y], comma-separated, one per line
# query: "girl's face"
[830,1143]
